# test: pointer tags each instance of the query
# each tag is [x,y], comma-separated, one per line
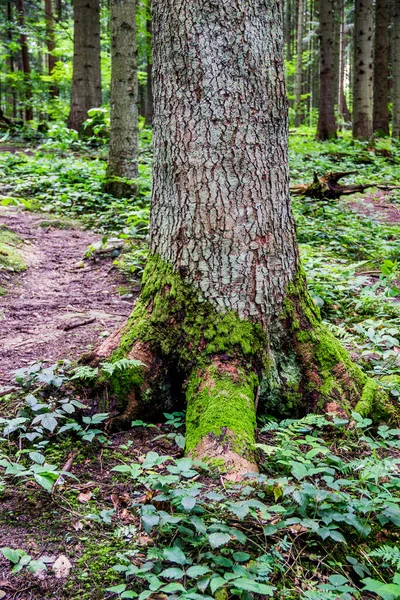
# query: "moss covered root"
[324,378]
[221,416]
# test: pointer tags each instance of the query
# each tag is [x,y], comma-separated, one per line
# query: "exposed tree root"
[220,365]
[328,187]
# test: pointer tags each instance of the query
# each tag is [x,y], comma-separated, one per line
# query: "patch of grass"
[11,254]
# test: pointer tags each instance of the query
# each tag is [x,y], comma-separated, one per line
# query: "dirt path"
[54,294]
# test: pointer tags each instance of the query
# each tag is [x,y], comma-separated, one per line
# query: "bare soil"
[377,206]
[60,305]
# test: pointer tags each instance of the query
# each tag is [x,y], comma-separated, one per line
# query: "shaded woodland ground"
[129,516]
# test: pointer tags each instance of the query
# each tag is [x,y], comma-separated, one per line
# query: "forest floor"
[89,514]
[58,306]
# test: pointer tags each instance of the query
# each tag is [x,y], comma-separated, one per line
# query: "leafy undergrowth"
[130,517]
[91,515]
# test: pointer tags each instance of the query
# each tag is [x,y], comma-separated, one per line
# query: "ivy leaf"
[117,589]
[197,571]
[45,481]
[188,503]
[216,583]
[174,555]
[254,586]
[11,555]
[219,539]
[172,573]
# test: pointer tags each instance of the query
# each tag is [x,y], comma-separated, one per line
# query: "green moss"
[11,256]
[328,373]
[221,403]
[178,323]
[365,404]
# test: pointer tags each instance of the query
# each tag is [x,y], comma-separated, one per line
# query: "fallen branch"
[328,187]
[80,324]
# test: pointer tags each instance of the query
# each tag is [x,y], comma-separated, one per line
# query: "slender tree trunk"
[25,61]
[224,316]
[51,43]
[363,70]
[86,80]
[58,7]
[11,65]
[298,85]
[123,157]
[148,101]
[396,70]
[381,67]
[327,121]
[342,103]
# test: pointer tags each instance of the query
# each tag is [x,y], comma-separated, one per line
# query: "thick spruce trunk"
[396,70]
[123,156]
[381,67]
[326,120]
[224,316]
[86,79]
[363,70]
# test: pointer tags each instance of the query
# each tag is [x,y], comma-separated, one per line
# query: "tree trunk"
[224,315]
[326,120]
[58,7]
[123,156]
[396,71]
[51,43]
[25,61]
[381,67]
[148,101]
[13,96]
[342,104]
[363,70]
[86,80]
[298,85]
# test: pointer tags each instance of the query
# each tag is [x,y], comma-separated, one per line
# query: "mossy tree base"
[222,367]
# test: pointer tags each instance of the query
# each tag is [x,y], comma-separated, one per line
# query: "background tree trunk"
[342,104]
[363,70]
[123,156]
[86,80]
[12,93]
[148,101]
[298,85]
[396,70]
[381,67]
[326,120]
[25,60]
[51,43]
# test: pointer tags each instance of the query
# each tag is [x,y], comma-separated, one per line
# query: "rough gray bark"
[363,70]
[86,80]
[381,67]
[326,120]
[396,70]
[221,211]
[298,84]
[123,156]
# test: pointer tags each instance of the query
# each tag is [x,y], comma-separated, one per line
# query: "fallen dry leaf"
[85,496]
[62,567]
